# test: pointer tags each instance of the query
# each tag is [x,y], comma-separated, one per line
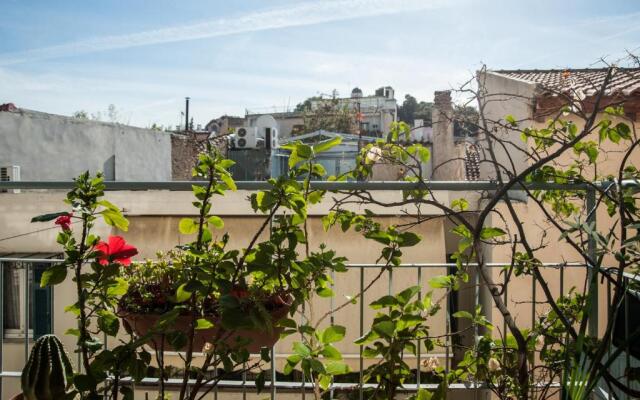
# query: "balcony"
[157,207]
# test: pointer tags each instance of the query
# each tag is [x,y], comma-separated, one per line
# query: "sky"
[145,56]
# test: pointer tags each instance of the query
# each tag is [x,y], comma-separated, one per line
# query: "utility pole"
[186,113]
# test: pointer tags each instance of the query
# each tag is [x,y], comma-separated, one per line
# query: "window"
[21,278]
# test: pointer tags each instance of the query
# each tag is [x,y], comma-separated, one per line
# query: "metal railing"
[409,274]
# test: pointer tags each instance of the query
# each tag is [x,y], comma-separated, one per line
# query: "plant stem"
[82,322]
[193,302]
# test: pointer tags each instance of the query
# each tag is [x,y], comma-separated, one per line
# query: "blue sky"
[146,56]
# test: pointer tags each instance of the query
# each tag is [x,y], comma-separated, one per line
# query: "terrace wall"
[55,147]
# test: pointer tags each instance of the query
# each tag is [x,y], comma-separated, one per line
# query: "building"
[53,147]
[224,125]
[372,114]
[532,98]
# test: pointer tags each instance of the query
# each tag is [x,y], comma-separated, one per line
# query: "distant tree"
[411,109]
[466,120]
[329,115]
[112,113]
[407,111]
[80,114]
[306,105]
[423,112]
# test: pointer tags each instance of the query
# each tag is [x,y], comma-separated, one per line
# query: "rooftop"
[587,81]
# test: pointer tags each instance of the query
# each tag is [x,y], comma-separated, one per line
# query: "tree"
[564,344]
[411,110]
[80,114]
[330,115]
[306,105]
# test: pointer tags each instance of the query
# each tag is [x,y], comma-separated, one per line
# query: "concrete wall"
[54,147]
[447,157]
[503,96]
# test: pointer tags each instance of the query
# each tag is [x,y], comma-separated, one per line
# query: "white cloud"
[301,14]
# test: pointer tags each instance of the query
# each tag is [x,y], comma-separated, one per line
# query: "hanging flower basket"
[142,324]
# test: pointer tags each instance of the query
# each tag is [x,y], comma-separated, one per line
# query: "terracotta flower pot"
[141,324]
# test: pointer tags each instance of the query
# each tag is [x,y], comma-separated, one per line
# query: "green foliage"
[399,327]
[316,355]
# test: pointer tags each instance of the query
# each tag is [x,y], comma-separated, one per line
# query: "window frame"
[22,265]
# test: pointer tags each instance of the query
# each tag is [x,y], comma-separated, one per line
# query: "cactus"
[45,376]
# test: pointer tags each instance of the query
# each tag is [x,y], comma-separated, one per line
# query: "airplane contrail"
[301,14]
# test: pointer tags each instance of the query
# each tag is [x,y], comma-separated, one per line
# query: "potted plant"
[156,296]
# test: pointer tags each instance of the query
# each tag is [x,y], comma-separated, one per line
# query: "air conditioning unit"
[246,137]
[10,174]
[271,138]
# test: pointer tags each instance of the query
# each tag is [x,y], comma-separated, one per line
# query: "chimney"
[445,155]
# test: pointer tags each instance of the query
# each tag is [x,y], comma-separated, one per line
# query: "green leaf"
[324,292]
[460,204]
[384,301]
[327,144]
[325,382]
[463,314]
[334,333]
[441,281]
[331,352]
[366,338]
[216,222]
[55,274]
[48,217]
[408,239]
[301,349]
[119,288]
[228,180]
[336,368]
[491,232]
[73,332]
[203,323]
[384,328]
[115,218]
[380,237]
[108,322]
[73,309]
[406,295]
[188,226]
[108,205]
[511,120]
[182,295]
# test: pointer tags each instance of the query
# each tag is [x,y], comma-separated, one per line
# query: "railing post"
[592,269]
[361,360]
[27,308]
[1,324]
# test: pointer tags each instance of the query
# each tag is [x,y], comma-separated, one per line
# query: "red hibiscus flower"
[117,250]
[64,221]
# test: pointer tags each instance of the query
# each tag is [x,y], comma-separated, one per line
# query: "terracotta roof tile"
[581,82]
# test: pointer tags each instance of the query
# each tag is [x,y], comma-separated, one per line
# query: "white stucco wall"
[54,147]
[505,96]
